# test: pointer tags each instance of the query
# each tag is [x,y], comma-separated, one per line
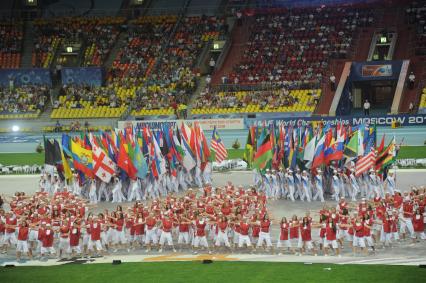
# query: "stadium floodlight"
[383,39]
[15,128]
[31,2]
[216,46]
[69,49]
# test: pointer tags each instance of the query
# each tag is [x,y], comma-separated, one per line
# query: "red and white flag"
[218,146]
[103,166]
[365,163]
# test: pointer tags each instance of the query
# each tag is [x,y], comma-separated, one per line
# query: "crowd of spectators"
[241,99]
[23,99]
[97,34]
[142,47]
[84,96]
[174,79]
[11,35]
[416,14]
[296,45]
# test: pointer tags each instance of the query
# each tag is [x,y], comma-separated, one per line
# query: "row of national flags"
[134,152]
[275,146]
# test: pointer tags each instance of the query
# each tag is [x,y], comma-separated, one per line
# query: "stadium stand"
[174,79]
[22,102]
[257,101]
[11,34]
[97,34]
[291,49]
[90,102]
[416,14]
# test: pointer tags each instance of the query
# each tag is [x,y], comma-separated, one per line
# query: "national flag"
[66,167]
[249,150]
[218,146]
[140,162]
[263,157]
[103,166]
[387,157]
[382,145]
[66,145]
[52,152]
[309,151]
[318,159]
[336,147]
[366,162]
[351,149]
[188,160]
[124,162]
[82,158]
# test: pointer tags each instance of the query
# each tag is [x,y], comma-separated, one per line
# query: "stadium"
[212,141]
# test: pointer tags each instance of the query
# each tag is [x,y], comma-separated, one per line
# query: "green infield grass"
[236,272]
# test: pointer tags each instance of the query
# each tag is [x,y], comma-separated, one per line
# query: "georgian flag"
[103,166]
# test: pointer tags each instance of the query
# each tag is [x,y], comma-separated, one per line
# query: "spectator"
[86,125]
[58,126]
[411,80]
[333,82]
[411,108]
[239,18]
[212,64]
[366,108]
[174,106]
[208,80]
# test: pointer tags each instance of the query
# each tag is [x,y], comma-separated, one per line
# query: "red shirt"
[201,232]
[11,221]
[408,209]
[64,230]
[284,231]
[95,231]
[47,240]
[167,225]
[222,225]
[2,227]
[359,229]
[418,224]
[119,224]
[330,233]
[367,230]
[244,228]
[183,227]
[294,231]
[139,227]
[74,237]
[150,223]
[226,210]
[305,232]
[264,226]
[23,233]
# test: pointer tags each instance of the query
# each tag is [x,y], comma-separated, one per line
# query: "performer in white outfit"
[319,186]
[335,183]
[390,183]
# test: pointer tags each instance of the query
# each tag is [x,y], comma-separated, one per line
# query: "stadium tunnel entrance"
[373,81]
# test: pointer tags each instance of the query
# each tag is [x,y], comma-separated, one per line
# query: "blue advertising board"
[383,120]
[91,76]
[33,76]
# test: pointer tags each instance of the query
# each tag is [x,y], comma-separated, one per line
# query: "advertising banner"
[384,120]
[34,76]
[206,124]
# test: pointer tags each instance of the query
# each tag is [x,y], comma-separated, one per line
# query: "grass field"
[215,272]
[38,158]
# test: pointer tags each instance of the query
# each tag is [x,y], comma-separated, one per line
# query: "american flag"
[366,162]
[218,146]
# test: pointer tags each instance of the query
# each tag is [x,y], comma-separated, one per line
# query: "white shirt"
[367,105]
